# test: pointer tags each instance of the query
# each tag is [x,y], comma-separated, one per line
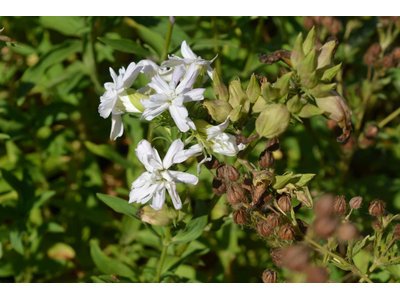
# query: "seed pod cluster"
[286,232]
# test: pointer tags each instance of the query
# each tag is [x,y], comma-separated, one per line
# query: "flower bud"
[297,52]
[273,220]
[231,173]
[377,225]
[396,232]
[266,159]
[253,90]
[324,206]
[335,108]
[296,258]
[325,54]
[220,89]
[273,120]
[219,186]
[376,208]
[347,232]
[309,42]
[263,229]
[235,194]
[308,64]
[218,109]
[316,275]
[269,276]
[240,216]
[339,205]
[285,203]
[154,217]
[286,232]
[276,256]
[324,227]
[355,202]
[237,95]
[272,145]
[295,104]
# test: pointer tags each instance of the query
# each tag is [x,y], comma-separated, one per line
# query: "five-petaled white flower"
[189,57]
[173,96]
[115,100]
[153,183]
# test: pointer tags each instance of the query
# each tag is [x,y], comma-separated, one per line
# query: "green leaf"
[329,74]
[110,153]
[16,241]
[195,226]
[394,270]
[361,245]
[309,111]
[109,265]
[4,136]
[281,181]
[71,26]
[125,45]
[119,205]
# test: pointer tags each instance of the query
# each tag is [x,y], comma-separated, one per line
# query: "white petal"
[214,131]
[175,147]
[131,74]
[179,114]
[177,75]
[159,85]
[158,199]
[109,86]
[176,200]
[194,95]
[106,106]
[144,153]
[225,144]
[143,195]
[153,101]
[117,127]
[189,80]
[150,69]
[126,103]
[183,155]
[150,113]
[142,180]
[113,75]
[172,62]
[182,177]
[187,51]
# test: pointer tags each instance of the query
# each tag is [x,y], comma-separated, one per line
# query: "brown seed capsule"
[347,232]
[235,194]
[372,56]
[355,202]
[219,186]
[263,229]
[377,225]
[324,227]
[269,276]
[273,220]
[296,258]
[240,216]
[388,61]
[276,256]
[231,173]
[212,164]
[220,170]
[285,203]
[286,232]
[396,53]
[324,206]
[371,131]
[272,145]
[316,275]
[339,205]
[396,232]
[266,160]
[376,208]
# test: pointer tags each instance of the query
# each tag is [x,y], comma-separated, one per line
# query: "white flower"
[172,96]
[150,69]
[115,100]
[153,183]
[189,57]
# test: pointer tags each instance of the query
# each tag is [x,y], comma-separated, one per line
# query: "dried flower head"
[377,225]
[220,170]
[269,276]
[286,232]
[388,61]
[231,173]
[396,232]
[339,205]
[263,229]
[376,208]
[240,216]
[285,203]
[266,159]
[273,220]
[316,275]
[235,193]
[324,227]
[296,258]
[276,256]
[324,206]
[347,232]
[219,186]
[355,202]
[272,145]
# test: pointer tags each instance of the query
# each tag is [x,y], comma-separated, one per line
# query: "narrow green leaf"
[16,241]
[119,205]
[110,153]
[67,25]
[125,45]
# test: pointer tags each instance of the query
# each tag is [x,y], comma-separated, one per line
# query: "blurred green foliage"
[55,152]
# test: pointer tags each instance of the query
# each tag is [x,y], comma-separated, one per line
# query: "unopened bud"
[296,258]
[273,220]
[377,225]
[237,95]
[371,131]
[396,232]
[355,202]
[218,109]
[339,205]
[219,186]
[240,216]
[285,203]
[286,232]
[266,159]
[316,275]
[273,120]
[253,90]
[347,232]
[263,229]
[335,108]
[220,89]
[324,206]
[269,276]
[376,208]
[272,145]
[276,256]
[325,54]
[324,227]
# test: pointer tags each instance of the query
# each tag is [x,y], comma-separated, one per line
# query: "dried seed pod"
[263,229]
[220,170]
[388,61]
[269,276]
[296,258]
[272,144]
[273,220]
[371,131]
[212,164]
[324,227]
[376,208]
[235,193]
[303,226]
[396,53]
[266,160]
[355,202]
[324,206]
[303,198]
[396,232]
[377,225]
[219,186]
[286,232]
[339,205]
[285,203]
[231,173]
[240,216]
[347,232]
[316,275]
[276,256]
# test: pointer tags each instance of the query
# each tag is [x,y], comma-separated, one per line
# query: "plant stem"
[253,47]
[163,253]
[389,118]
[167,41]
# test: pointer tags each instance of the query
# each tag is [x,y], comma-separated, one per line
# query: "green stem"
[166,243]
[167,41]
[218,64]
[389,118]
[253,47]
